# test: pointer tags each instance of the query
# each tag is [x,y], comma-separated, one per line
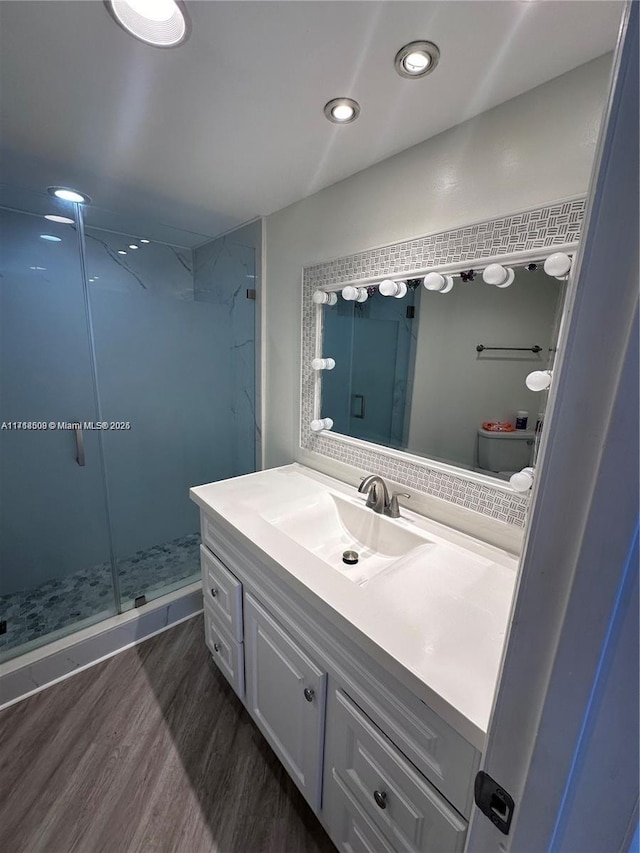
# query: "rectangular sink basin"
[329,525]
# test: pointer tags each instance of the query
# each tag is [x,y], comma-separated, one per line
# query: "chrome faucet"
[378,496]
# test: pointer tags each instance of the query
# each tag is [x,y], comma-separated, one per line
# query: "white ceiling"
[230,125]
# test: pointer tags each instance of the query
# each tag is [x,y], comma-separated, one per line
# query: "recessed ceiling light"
[63,220]
[133,246]
[121,252]
[416,59]
[50,238]
[161,23]
[37,268]
[144,241]
[69,194]
[342,110]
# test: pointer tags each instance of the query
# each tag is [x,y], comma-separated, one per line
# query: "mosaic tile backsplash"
[540,228]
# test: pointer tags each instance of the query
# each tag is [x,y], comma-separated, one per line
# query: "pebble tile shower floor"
[33,613]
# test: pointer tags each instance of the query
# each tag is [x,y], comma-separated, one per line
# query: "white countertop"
[439,628]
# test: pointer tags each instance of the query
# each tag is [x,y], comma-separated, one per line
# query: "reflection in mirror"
[424,373]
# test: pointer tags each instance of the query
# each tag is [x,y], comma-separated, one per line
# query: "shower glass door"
[55,569]
[127,375]
[174,338]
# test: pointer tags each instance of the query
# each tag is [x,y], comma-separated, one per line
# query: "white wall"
[534,149]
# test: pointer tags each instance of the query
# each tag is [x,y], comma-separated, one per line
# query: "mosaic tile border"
[538,228]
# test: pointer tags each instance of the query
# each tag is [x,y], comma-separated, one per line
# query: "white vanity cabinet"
[381,770]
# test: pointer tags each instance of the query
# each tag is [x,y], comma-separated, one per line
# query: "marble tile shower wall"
[224,270]
[158,268]
[539,228]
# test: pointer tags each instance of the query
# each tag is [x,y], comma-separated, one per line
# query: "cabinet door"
[286,695]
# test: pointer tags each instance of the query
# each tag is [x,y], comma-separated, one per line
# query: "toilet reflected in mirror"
[501,454]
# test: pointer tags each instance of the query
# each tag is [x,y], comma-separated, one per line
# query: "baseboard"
[28,674]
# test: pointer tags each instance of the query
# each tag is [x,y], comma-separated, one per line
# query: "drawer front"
[448,761]
[349,827]
[222,592]
[406,808]
[227,654]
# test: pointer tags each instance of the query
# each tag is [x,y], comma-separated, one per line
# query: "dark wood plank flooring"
[148,751]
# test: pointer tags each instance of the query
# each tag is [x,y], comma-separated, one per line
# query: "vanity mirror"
[424,371]
[436,337]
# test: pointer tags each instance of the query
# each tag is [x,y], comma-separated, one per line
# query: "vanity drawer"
[222,592]
[349,827]
[227,654]
[404,807]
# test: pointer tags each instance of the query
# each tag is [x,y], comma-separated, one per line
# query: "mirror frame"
[518,238]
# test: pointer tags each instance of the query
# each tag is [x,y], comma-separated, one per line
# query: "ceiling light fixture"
[144,241]
[50,238]
[121,252]
[416,59]
[69,194]
[342,110]
[63,220]
[160,23]
[133,246]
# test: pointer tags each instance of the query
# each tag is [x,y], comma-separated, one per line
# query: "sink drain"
[350,557]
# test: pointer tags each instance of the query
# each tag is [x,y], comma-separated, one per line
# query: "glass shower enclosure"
[127,374]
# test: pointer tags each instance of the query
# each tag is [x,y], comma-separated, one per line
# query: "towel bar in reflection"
[535,348]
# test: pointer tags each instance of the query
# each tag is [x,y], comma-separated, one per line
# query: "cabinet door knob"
[381,798]
[214,591]
[216,647]
[308,694]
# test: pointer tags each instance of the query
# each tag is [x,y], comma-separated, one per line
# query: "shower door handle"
[79,445]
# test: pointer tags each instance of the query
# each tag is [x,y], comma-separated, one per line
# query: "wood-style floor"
[148,751]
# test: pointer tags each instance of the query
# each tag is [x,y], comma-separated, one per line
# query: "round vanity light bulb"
[323,364]
[439,283]
[522,480]
[354,294]
[557,265]
[321,423]
[539,380]
[393,288]
[498,275]
[321,297]
[388,287]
